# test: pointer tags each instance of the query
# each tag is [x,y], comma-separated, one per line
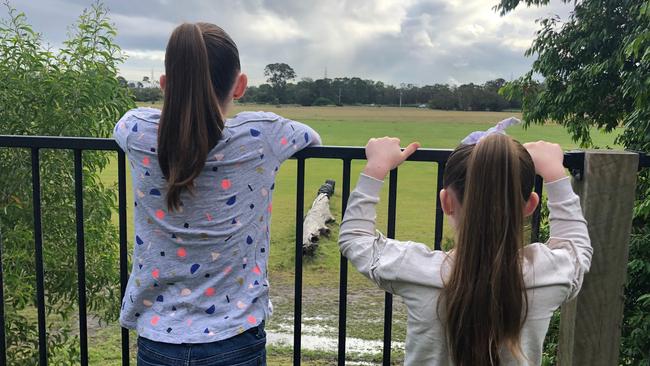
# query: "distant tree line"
[151,94]
[355,91]
[142,91]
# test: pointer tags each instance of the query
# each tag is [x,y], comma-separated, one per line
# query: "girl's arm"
[358,239]
[128,124]
[569,237]
[389,263]
[289,137]
[380,259]
[123,129]
[569,241]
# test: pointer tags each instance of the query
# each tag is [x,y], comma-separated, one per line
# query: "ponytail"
[201,63]
[485,295]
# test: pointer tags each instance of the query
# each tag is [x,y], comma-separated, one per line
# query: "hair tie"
[500,128]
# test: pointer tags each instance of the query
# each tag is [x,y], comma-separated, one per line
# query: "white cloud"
[413,41]
[141,26]
[146,55]
[271,28]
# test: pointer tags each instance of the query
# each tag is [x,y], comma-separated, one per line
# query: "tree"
[442,97]
[122,81]
[493,100]
[304,97]
[470,97]
[303,92]
[278,74]
[356,90]
[596,71]
[266,94]
[73,91]
[152,94]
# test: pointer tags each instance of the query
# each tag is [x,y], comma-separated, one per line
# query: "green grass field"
[350,126]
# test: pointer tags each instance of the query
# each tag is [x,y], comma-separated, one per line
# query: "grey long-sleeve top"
[553,272]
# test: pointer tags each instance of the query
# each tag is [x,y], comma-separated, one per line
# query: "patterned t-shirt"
[200,273]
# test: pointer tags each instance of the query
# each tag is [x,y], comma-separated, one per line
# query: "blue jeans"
[246,349]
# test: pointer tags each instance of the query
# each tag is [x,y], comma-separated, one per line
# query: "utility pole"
[339,95]
[400,98]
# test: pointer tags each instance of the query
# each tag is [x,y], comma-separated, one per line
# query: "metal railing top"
[573,159]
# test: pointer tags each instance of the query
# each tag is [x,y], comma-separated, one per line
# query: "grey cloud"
[414,41]
[51,18]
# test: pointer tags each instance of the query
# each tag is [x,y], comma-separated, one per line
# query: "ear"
[240,86]
[446,202]
[531,204]
[163,81]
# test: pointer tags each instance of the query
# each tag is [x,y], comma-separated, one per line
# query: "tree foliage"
[278,74]
[354,91]
[151,94]
[72,91]
[596,73]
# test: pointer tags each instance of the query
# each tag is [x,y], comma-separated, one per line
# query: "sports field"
[350,126]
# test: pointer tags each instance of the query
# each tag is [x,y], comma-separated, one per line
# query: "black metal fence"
[573,161]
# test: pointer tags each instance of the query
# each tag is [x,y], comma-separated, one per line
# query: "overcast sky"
[395,41]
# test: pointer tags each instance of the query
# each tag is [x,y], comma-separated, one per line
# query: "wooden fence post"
[590,325]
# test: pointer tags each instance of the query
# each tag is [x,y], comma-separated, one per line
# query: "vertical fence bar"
[388,301]
[124,262]
[3,347]
[388,328]
[534,231]
[81,256]
[38,251]
[343,271]
[437,245]
[297,315]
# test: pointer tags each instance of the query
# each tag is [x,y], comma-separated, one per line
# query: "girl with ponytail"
[198,293]
[489,300]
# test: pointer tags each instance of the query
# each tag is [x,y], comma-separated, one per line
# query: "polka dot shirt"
[200,273]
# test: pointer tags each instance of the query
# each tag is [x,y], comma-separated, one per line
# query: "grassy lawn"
[349,126]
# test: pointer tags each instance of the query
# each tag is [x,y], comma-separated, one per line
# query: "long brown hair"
[484,297]
[201,65]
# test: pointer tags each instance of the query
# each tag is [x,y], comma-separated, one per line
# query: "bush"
[320,101]
[70,92]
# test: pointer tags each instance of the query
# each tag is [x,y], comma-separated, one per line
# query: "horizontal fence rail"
[573,160]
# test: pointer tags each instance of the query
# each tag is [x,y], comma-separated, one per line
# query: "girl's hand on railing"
[548,158]
[384,154]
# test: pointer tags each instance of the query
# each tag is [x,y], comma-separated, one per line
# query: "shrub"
[322,101]
[73,91]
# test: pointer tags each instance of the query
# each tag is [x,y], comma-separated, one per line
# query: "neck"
[226,108]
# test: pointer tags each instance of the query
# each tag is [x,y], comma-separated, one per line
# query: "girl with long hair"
[489,300]
[198,293]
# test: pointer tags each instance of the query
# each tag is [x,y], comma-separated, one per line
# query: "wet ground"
[364,325]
